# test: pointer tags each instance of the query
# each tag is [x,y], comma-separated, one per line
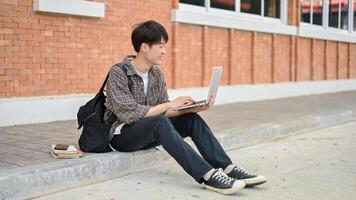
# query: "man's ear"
[145,47]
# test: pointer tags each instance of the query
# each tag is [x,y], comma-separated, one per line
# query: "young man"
[137,95]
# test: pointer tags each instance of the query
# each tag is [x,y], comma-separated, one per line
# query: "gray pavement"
[27,169]
[28,145]
[312,165]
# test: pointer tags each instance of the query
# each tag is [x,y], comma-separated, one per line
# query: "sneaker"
[221,183]
[250,180]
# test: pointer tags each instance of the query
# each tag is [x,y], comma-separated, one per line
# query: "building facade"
[50,47]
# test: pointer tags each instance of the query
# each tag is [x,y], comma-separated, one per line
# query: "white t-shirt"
[144,77]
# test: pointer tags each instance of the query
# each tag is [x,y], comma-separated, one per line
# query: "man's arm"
[163,104]
[175,113]
[158,109]
[168,106]
[171,113]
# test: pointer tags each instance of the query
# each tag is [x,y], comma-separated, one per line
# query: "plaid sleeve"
[121,101]
[163,96]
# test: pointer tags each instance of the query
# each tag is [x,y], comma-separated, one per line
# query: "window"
[354,9]
[305,7]
[272,8]
[312,11]
[268,16]
[322,19]
[193,2]
[223,4]
[339,14]
[268,8]
[335,12]
[220,4]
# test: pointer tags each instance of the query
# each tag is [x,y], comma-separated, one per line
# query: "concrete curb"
[46,178]
[263,132]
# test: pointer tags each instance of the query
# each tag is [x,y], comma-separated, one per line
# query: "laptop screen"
[214,82]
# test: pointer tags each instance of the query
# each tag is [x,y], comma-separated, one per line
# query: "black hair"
[149,32]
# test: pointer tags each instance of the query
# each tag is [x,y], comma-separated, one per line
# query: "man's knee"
[192,117]
[164,129]
[161,121]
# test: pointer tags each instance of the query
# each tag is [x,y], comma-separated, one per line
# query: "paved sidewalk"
[26,165]
[27,145]
[313,165]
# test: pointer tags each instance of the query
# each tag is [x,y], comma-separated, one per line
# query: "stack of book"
[65,151]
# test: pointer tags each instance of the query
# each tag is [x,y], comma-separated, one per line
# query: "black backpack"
[95,134]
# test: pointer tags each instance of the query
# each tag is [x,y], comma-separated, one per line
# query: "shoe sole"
[254,181]
[238,186]
[255,184]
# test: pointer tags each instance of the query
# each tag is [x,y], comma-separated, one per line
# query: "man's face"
[156,52]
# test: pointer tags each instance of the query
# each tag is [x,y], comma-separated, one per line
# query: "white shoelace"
[241,170]
[222,177]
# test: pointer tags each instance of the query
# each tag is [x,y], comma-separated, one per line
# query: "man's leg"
[156,130]
[152,131]
[194,126]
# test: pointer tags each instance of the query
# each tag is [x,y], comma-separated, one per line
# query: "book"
[70,152]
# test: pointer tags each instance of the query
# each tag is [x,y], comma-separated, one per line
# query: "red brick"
[12,48]
[8,11]
[187,46]
[241,57]
[6,19]
[262,58]
[47,33]
[353,61]
[38,26]
[331,60]
[45,22]
[303,59]
[20,20]
[21,9]
[342,61]
[11,2]
[318,65]
[51,28]
[282,58]
[5,42]
[24,25]
[216,53]
[7,30]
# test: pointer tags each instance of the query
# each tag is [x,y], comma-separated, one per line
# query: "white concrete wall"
[70,7]
[15,111]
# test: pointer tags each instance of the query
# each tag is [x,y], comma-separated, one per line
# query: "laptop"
[214,85]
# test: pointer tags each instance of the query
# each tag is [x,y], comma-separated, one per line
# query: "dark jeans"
[152,131]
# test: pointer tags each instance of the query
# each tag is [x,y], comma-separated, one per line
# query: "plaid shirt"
[130,107]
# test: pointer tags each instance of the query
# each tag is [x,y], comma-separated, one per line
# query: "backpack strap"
[130,83]
[106,80]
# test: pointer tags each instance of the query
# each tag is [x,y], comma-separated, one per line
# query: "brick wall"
[251,57]
[47,54]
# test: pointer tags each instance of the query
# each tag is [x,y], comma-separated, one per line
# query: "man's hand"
[180,101]
[167,107]
[204,107]
[188,100]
